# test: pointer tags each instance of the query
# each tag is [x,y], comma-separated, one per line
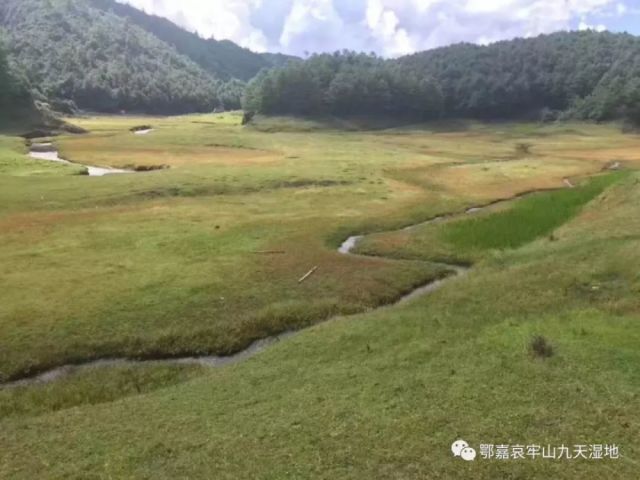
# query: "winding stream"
[207,361]
[346,248]
[47,151]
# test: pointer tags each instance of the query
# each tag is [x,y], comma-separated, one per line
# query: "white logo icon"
[468,454]
[461,449]
[457,447]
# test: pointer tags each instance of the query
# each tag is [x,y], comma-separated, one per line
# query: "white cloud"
[384,25]
[315,19]
[388,27]
[582,26]
[222,19]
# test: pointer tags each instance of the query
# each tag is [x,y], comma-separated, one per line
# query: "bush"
[247,117]
[540,347]
[547,115]
[523,148]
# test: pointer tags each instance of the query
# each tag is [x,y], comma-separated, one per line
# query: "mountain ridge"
[223,58]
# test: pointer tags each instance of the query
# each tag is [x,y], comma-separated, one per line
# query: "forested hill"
[223,58]
[72,51]
[584,75]
[16,104]
[592,74]
[105,56]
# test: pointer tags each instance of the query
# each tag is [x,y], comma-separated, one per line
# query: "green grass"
[384,395]
[91,387]
[13,161]
[528,219]
[471,238]
[167,262]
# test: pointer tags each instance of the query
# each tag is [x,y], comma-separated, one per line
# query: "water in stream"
[256,347]
[46,151]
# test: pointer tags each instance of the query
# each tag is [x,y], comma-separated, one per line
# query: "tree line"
[583,75]
[102,56]
[344,83]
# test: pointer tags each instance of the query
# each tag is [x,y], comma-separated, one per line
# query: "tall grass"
[528,219]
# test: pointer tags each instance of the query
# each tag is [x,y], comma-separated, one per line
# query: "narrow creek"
[346,248]
[48,152]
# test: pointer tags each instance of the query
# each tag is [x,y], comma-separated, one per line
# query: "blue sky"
[623,17]
[387,27]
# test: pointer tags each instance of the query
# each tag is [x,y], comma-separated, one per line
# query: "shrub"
[523,148]
[247,117]
[540,347]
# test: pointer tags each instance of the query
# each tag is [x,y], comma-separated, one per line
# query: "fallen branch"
[268,252]
[308,274]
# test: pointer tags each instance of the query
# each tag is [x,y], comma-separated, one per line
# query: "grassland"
[467,239]
[168,262]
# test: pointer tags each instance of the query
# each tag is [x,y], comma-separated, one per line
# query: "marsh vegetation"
[205,257]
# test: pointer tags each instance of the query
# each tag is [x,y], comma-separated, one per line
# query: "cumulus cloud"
[387,27]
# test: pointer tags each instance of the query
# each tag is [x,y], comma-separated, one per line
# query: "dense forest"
[344,84]
[584,75]
[9,89]
[77,55]
[16,103]
[104,56]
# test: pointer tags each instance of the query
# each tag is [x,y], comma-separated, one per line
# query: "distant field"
[205,256]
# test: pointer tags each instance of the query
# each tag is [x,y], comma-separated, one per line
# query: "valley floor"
[205,255]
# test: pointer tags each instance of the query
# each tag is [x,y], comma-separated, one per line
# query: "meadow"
[205,256]
[499,226]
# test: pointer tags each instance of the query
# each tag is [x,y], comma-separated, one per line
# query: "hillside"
[17,107]
[100,61]
[584,75]
[573,72]
[223,58]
